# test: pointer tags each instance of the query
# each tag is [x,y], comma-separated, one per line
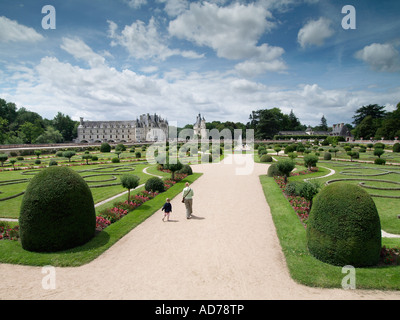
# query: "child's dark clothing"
[167,207]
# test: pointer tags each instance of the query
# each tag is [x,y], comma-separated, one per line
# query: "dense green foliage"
[19,126]
[129,181]
[105,147]
[154,184]
[285,166]
[344,226]
[57,211]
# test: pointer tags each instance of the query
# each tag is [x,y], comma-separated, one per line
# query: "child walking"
[167,208]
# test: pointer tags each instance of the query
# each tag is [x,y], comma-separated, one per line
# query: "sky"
[118,59]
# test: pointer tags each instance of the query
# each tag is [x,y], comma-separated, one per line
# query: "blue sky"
[117,59]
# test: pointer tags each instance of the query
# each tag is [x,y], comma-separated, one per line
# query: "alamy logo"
[349,20]
[49,20]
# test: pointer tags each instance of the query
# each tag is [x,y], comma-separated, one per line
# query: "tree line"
[369,122]
[22,126]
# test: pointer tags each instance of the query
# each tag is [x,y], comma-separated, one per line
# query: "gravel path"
[229,250]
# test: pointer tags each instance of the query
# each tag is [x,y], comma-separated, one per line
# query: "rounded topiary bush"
[273,170]
[327,156]
[186,169]
[154,184]
[105,147]
[266,158]
[344,227]
[57,211]
[396,147]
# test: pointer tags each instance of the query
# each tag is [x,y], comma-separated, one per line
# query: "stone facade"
[146,128]
[199,127]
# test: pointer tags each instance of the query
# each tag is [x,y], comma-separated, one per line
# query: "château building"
[146,128]
[199,127]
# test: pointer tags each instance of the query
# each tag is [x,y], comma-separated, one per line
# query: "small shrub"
[129,181]
[327,156]
[138,154]
[115,160]
[52,162]
[273,170]
[286,166]
[310,161]
[380,161]
[154,184]
[396,147]
[186,169]
[105,147]
[37,161]
[120,147]
[266,158]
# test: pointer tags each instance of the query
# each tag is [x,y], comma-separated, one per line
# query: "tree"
[69,155]
[87,157]
[277,150]
[3,158]
[310,161]
[65,125]
[30,131]
[378,152]
[324,125]
[173,167]
[8,111]
[3,128]
[129,181]
[367,127]
[373,110]
[51,135]
[285,166]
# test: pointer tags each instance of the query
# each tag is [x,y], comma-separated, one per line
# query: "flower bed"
[121,209]
[388,256]
[299,204]
[109,215]
[6,232]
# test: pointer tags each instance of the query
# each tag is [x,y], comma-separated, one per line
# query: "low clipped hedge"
[57,211]
[344,227]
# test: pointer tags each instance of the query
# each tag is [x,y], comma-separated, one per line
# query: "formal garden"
[117,188]
[329,205]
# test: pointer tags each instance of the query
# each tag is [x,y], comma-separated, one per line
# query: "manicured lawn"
[306,269]
[104,175]
[12,251]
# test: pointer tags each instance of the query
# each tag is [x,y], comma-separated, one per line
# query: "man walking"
[188,200]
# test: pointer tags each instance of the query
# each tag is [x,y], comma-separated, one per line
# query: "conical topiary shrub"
[344,227]
[57,211]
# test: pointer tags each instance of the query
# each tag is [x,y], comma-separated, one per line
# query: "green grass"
[12,251]
[306,269]
[94,174]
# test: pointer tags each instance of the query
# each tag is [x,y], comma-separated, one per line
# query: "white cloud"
[233,32]
[175,7]
[102,92]
[144,42]
[315,32]
[380,57]
[135,4]
[12,31]
[81,51]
